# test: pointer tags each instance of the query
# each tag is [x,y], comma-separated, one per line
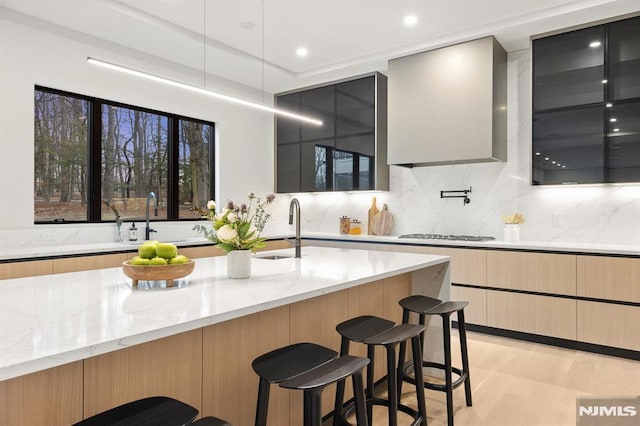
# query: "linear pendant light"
[200,90]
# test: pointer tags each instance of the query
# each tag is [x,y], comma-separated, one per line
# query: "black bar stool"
[314,381]
[423,306]
[284,364]
[381,332]
[152,411]
[358,330]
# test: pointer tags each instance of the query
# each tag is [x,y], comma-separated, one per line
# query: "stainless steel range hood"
[448,105]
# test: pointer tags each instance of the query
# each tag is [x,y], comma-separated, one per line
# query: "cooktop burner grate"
[447,237]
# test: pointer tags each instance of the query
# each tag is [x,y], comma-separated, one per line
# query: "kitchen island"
[77,343]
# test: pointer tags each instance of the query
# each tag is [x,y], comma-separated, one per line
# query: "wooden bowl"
[157,272]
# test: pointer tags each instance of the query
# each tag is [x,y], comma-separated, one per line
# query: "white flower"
[226,234]
[252,232]
[232,217]
[211,205]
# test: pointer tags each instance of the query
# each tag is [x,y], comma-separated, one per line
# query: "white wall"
[29,56]
[608,214]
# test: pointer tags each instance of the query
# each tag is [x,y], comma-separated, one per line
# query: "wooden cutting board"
[382,222]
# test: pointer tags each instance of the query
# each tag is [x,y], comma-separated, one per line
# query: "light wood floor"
[520,383]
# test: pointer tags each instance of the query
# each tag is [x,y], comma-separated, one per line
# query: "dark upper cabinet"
[624,59]
[586,105]
[346,153]
[568,69]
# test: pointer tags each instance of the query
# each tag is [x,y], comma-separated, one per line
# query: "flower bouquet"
[237,227]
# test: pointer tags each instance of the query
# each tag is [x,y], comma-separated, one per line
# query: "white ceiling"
[344,37]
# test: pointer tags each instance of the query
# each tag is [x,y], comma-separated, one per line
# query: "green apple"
[139,261]
[147,250]
[181,258]
[166,250]
[157,261]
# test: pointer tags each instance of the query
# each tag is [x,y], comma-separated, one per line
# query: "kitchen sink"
[275,256]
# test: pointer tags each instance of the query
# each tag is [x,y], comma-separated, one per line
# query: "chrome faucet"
[147,230]
[297,242]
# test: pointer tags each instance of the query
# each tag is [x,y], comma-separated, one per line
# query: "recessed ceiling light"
[604,81]
[302,52]
[564,167]
[613,119]
[537,153]
[608,104]
[546,158]
[553,162]
[247,25]
[616,130]
[595,44]
[410,20]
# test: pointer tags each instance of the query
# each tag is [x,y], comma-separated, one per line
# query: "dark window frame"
[94,157]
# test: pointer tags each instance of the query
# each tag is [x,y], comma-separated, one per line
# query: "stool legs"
[426,306]
[416,346]
[263,402]
[448,379]
[462,331]
[338,409]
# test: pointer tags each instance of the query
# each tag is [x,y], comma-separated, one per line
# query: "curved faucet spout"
[295,205]
[148,230]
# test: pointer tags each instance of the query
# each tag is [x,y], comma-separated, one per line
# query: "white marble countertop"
[55,319]
[572,247]
[44,251]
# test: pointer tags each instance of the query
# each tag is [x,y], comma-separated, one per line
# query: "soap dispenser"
[133,232]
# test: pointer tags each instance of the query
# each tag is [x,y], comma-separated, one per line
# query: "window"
[60,168]
[93,156]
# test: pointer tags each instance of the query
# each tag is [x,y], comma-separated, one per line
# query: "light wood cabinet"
[543,315]
[171,366]
[468,266]
[230,386]
[537,272]
[476,312]
[25,269]
[609,324]
[609,278]
[200,251]
[86,263]
[51,397]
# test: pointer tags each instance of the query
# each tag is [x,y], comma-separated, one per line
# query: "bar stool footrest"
[462,376]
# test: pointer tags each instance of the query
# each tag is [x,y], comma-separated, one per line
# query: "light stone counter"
[569,247]
[8,254]
[55,319]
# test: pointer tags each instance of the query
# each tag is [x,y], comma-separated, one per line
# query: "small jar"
[355,227]
[345,225]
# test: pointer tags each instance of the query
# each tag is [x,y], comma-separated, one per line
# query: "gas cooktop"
[447,237]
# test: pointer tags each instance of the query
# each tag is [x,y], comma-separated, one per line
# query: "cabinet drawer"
[73,264]
[612,278]
[25,269]
[203,251]
[609,324]
[540,272]
[476,312]
[468,266]
[544,315]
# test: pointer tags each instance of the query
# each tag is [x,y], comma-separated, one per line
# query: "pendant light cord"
[204,44]
[262,54]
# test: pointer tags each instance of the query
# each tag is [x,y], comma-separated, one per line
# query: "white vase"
[512,232]
[239,264]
